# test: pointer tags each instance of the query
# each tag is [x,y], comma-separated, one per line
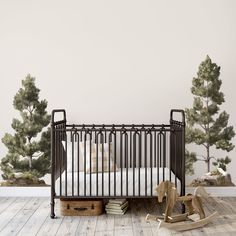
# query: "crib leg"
[183,208]
[183,189]
[52,208]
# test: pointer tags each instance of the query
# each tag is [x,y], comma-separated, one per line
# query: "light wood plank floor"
[30,216]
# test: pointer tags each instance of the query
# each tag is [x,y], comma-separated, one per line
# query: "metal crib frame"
[146,145]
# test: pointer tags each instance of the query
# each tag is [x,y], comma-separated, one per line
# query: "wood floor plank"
[231,218]
[233,224]
[163,232]
[123,224]
[142,231]
[121,231]
[224,220]
[30,216]
[105,222]
[198,232]
[19,220]
[219,225]
[222,223]
[11,211]
[36,221]
[5,203]
[50,226]
[230,202]
[104,233]
[138,214]
[122,221]
[87,225]
[154,208]
[210,206]
[224,205]
[3,199]
[179,233]
[187,233]
[68,226]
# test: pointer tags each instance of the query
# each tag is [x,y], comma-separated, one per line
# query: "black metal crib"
[143,155]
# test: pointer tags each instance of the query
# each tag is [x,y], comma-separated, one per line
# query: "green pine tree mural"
[207,126]
[28,156]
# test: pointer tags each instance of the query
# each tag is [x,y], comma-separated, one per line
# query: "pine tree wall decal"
[28,151]
[206,125]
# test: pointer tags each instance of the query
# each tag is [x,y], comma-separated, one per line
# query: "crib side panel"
[112,161]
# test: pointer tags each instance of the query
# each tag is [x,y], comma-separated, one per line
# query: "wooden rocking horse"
[193,204]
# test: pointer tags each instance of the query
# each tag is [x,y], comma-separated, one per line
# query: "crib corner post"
[183,161]
[52,215]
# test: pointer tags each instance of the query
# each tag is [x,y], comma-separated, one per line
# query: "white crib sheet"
[80,185]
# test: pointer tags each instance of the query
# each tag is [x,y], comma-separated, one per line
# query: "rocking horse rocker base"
[182,226]
[193,203]
[172,219]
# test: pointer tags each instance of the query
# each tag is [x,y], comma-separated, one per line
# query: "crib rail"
[133,158]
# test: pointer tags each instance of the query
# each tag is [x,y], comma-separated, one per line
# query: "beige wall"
[115,61]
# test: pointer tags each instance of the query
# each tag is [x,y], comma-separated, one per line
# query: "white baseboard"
[217,191]
[46,191]
[25,191]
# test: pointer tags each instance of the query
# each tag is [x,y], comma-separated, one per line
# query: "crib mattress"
[128,188]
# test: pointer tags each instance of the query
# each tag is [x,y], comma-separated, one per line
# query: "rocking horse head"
[162,189]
